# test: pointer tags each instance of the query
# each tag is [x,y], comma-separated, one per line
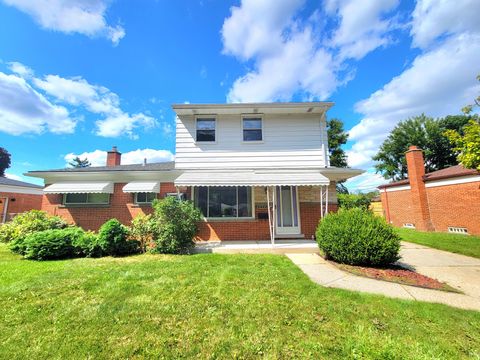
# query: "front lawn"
[211,306]
[457,243]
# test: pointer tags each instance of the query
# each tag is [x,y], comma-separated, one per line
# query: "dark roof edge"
[427,178]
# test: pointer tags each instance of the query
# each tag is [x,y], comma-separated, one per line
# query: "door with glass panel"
[287,221]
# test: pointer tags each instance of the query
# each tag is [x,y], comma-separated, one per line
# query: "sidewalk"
[325,274]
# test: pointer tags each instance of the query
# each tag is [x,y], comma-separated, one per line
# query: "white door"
[288,220]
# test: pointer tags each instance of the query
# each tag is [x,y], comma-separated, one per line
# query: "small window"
[252,129]
[206,130]
[457,230]
[145,198]
[86,199]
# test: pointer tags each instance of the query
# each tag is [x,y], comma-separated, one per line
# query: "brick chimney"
[416,171]
[114,157]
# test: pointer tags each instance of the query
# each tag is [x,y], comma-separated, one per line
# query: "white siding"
[288,141]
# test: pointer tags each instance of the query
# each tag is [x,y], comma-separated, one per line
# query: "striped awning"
[142,187]
[77,187]
[252,178]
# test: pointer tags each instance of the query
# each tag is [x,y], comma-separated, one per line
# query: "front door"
[287,221]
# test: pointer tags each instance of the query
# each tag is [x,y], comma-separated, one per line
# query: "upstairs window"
[93,198]
[252,129]
[205,130]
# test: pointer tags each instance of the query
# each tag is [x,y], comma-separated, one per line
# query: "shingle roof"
[450,172]
[165,166]
[11,182]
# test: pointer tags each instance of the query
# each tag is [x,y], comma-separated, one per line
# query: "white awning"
[252,178]
[80,187]
[142,187]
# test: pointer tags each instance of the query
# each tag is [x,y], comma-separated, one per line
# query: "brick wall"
[18,203]
[91,218]
[398,209]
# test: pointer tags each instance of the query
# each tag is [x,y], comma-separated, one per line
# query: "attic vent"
[457,230]
[409,226]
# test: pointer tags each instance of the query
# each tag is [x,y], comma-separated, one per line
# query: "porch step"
[290,236]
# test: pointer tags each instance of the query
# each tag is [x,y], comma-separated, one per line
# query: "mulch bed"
[396,274]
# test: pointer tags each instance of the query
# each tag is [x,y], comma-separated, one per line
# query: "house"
[256,171]
[17,197]
[446,200]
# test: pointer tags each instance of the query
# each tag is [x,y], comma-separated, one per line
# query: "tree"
[468,145]
[467,110]
[336,138]
[424,132]
[79,163]
[4,161]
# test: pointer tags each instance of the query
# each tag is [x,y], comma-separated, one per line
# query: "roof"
[450,172]
[253,108]
[11,182]
[161,166]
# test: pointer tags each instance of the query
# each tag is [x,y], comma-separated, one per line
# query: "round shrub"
[358,237]
[87,245]
[52,244]
[113,239]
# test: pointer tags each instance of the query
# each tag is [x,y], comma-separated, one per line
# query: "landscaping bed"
[396,274]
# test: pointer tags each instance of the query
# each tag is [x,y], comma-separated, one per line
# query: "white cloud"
[85,17]
[368,181]
[24,110]
[97,99]
[20,69]
[433,18]
[362,28]
[99,157]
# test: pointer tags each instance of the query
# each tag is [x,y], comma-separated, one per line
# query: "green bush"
[27,223]
[357,237]
[143,231]
[113,239]
[174,225]
[52,244]
[350,201]
[88,245]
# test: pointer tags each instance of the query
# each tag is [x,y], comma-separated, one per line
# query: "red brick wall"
[310,216]
[452,205]
[91,218]
[18,203]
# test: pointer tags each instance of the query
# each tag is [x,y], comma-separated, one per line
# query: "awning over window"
[252,178]
[80,187]
[142,187]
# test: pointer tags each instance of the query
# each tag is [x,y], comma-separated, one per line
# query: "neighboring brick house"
[446,200]
[256,171]
[17,197]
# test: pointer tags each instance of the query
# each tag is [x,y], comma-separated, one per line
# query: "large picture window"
[93,198]
[205,130]
[224,201]
[252,129]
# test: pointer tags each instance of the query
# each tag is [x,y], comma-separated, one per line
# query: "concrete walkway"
[325,274]
[257,247]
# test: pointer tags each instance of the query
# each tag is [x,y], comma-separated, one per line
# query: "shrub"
[175,225]
[113,239]
[143,231]
[350,201]
[27,223]
[52,244]
[357,237]
[87,245]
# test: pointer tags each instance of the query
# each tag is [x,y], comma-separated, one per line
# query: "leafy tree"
[337,137]
[468,145]
[424,132]
[4,161]
[79,163]
[469,108]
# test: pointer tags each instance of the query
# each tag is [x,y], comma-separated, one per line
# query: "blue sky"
[78,76]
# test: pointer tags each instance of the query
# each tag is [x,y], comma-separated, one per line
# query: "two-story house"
[256,171]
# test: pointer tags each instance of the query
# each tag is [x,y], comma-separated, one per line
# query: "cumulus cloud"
[20,69]
[99,157]
[368,181]
[87,17]
[121,123]
[24,110]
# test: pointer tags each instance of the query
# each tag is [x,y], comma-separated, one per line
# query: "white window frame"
[253,117]
[206,117]
[136,202]
[228,218]
[64,201]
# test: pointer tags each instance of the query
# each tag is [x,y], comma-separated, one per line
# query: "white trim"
[21,190]
[454,181]
[397,188]
[288,230]
[262,127]
[206,117]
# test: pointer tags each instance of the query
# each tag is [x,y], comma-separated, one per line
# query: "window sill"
[206,142]
[149,205]
[253,142]
[229,219]
[66,206]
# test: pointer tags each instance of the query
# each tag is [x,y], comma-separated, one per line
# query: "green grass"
[460,244]
[211,306]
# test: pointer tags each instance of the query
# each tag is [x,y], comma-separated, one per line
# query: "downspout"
[5,211]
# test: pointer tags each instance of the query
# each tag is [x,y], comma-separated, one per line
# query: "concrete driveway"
[459,271]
